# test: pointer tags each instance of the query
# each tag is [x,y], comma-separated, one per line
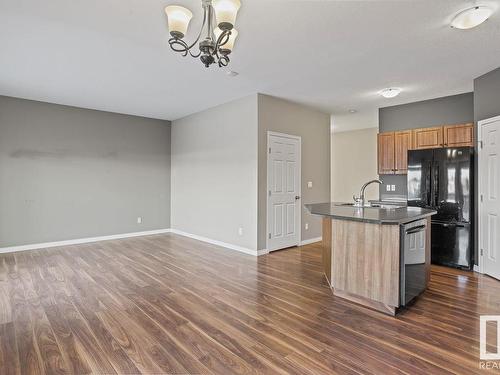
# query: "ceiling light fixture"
[352,111]
[471,17]
[217,30]
[390,92]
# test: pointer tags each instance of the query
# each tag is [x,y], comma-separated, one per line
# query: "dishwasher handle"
[420,228]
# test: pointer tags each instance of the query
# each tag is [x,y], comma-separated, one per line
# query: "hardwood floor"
[170,305]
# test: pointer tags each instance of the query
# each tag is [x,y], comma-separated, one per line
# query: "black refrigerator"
[442,179]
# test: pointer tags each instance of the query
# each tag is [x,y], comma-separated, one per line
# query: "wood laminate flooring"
[167,304]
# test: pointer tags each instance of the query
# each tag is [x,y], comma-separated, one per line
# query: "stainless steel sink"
[386,206]
[377,205]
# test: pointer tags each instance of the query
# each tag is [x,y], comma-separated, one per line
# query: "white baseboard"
[311,240]
[219,243]
[476,269]
[12,249]
[262,252]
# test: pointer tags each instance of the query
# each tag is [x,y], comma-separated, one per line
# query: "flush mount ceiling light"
[217,34]
[390,92]
[471,17]
[352,111]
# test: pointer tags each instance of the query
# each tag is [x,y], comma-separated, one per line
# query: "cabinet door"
[402,143]
[459,135]
[386,153]
[428,138]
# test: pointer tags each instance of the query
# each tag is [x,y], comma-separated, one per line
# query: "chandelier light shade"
[226,12]
[178,20]
[217,35]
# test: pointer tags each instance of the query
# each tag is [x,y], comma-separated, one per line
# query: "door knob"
[297,197]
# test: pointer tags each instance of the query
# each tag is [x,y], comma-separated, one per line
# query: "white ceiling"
[333,55]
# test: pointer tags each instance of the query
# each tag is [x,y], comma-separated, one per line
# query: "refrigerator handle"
[430,187]
[435,179]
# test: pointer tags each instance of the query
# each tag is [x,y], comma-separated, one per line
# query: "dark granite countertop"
[394,216]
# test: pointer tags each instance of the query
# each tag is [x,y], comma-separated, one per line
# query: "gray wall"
[486,105]
[214,173]
[453,109]
[69,173]
[487,95]
[314,128]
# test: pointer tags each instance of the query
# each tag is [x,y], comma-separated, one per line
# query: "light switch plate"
[393,187]
[388,188]
[309,184]
[139,220]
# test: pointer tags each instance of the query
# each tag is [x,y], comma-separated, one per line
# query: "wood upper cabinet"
[386,149]
[393,152]
[393,146]
[428,138]
[402,143]
[458,135]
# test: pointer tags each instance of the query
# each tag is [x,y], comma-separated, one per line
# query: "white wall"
[214,173]
[354,162]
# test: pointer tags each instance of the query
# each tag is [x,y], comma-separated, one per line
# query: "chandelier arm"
[195,55]
[223,39]
[175,43]
[201,31]
[223,61]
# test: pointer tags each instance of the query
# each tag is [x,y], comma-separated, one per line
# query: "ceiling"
[332,55]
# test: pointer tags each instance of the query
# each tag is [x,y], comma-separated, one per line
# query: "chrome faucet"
[360,201]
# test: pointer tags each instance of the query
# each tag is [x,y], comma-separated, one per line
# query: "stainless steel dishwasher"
[413,272]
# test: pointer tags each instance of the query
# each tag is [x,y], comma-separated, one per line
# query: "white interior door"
[283,185]
[489,211]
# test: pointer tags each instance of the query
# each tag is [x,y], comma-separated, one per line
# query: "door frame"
[480,124]
[298,138]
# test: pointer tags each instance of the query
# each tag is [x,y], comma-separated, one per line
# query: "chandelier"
[216,37]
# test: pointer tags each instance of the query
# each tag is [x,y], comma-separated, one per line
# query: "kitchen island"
[364,253]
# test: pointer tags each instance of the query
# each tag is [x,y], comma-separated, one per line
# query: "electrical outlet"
[240,231]
[388,188]
[309,184]
[307,226]
[139,220]
[393,187]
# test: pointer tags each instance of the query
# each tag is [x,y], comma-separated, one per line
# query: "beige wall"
[219,168]
[214,173]
[354,162]
[314,128]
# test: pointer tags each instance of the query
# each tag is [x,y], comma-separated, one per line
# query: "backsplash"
[399,181]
